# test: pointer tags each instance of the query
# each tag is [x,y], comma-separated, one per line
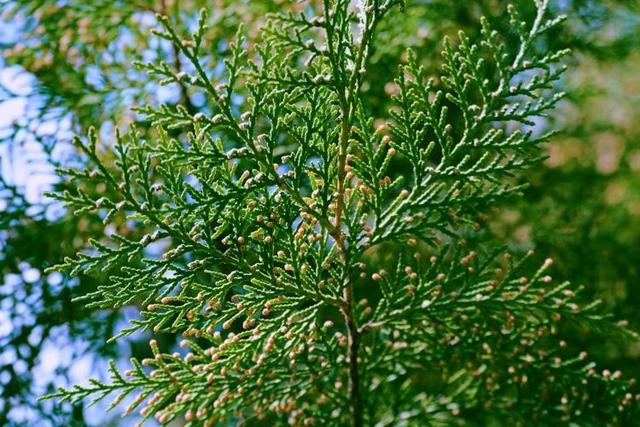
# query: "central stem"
[353,334]
[353,343]
[342,163]
[347,88]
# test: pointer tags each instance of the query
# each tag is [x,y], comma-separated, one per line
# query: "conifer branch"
[267,208]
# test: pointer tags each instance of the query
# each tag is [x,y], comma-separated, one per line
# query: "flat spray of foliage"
[291,257]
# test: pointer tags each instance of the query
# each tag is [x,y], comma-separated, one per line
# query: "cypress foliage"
[313,256]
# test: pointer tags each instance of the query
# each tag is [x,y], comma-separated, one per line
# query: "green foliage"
[313,254]
[70,66]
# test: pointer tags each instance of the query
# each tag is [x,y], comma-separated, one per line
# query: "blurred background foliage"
[67,65]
